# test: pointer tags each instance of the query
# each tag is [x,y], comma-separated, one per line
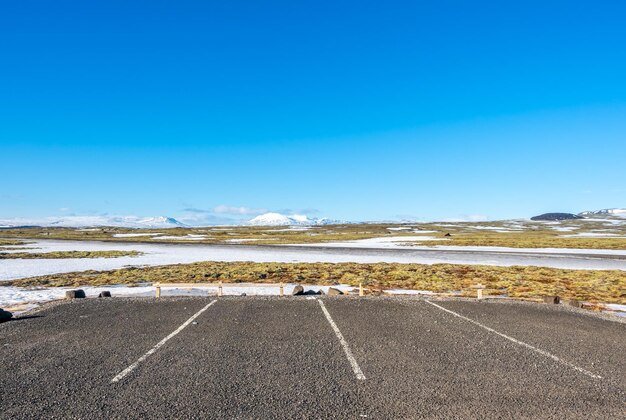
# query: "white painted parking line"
[132,367]
[521,343]
[346,348]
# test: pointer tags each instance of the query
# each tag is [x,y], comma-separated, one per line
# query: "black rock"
[5,315]
[104,294]
[298,290]
[312,292]
[75,294]
[556,216]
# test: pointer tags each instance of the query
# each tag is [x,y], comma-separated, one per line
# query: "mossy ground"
[68,254]
[10,242]
[523,234]
[517,282]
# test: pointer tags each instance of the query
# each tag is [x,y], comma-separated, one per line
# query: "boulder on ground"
[312,292]
[334,292]
[553,300]
[575,303]
[104,294]
[75,294]
[5,315]
[298,290]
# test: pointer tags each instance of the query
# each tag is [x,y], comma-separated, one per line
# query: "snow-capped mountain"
[159,222]
[605,212]
[277,219]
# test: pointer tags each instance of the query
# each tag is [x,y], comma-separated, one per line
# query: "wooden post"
[479,290]
[281,290]
[158,291]
[220,292]
[361,292]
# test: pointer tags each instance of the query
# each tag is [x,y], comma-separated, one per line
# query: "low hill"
[555,216]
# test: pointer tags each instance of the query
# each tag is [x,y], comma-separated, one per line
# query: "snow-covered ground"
[368,251]
[401,242]
[621,309]
[133,235]
[564,228]
[409,292]
[393,242]
[21,299]
[189,237]
[502,229]
[593,235]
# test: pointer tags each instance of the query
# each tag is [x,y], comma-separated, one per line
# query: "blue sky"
[355,110]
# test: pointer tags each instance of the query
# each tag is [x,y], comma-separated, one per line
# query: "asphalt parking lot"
[344,357]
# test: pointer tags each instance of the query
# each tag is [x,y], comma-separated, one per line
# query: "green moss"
[534,235]
[68,254]
[519,282]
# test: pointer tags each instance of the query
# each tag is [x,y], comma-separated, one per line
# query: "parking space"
[422,362]
[589,342]
[61,359]
[246,357]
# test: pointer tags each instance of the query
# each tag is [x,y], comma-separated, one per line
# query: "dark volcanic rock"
[312,292]
[5,315]
[556,216]
[104,294]
[75,294]
[297,290]
[334,292]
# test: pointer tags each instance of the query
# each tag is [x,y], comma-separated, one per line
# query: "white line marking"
[132,367]
[355,366]
[521,343]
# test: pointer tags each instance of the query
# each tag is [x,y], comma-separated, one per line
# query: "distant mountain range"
[581,215]
[159,222]
[606,212]
[267,219]
[277,219]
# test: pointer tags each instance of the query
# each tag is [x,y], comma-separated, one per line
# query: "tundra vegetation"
[8,244]
[516,282]
[68,254]
[609,234]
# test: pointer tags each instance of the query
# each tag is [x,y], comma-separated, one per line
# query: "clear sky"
[356,110]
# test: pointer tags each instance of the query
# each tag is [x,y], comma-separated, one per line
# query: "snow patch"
[397,242]
[189,237]
[27,298]
[593,235]
[132,235]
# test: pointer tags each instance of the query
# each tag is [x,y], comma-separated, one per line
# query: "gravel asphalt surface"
[253,357]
